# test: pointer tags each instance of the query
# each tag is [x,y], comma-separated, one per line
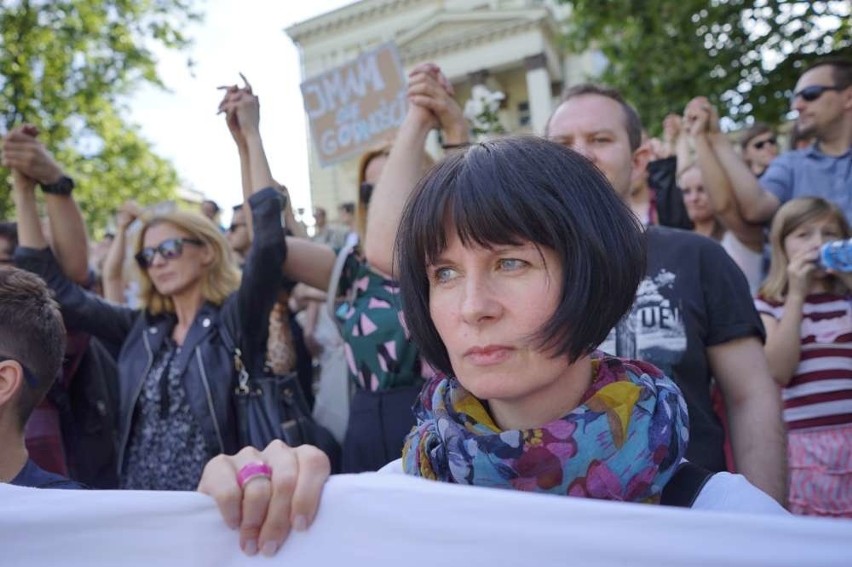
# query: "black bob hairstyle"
[525,189]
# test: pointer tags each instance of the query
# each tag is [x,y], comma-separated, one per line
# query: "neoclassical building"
[508,45]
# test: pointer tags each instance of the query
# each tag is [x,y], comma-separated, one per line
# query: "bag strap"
[685,486]
[242,373]
[334,281]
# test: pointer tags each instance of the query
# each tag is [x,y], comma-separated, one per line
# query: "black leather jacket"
[206,365]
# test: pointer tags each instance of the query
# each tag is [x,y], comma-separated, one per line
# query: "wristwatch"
[61,187]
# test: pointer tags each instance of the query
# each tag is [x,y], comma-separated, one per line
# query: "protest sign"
[357,105]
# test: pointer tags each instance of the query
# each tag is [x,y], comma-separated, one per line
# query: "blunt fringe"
[525,189]
[789,217]
[221,278]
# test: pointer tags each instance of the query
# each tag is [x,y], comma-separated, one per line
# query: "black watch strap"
[61,187]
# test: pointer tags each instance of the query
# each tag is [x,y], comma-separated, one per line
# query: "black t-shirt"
[693,296]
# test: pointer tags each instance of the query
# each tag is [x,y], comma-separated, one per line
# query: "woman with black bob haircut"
[515,260]
[516,190]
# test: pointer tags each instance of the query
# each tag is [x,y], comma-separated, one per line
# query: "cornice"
[504,26]
[346,16]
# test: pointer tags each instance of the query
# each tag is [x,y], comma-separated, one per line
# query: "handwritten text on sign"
[357,105]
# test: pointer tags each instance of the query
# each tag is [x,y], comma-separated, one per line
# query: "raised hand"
[672,129]
[429,89]
[126,214]
[701,117]
[24,153]
[231,97]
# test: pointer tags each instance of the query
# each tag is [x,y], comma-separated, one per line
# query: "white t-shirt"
[723,492]
[749,261]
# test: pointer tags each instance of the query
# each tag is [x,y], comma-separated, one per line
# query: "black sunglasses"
[365,192]
[28,376]
[168,249]
[771,141]
[813,92]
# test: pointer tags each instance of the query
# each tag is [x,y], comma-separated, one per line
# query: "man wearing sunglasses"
[32,343]
[823,100]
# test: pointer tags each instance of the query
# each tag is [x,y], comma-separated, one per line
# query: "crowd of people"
[590,313]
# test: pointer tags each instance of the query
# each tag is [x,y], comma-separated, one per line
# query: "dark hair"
[755,130]
[841,69]
[513,190]
[238,207]
[9,231]
[31,332]
[348,207]
[211,202]
[632,122]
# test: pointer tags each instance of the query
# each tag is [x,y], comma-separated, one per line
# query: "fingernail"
[250,547]
[300,523]
[269,548]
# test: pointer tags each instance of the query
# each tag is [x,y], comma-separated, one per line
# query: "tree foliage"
[745,55]
[68,66]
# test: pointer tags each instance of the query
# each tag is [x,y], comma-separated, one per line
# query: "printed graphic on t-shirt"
[653,331]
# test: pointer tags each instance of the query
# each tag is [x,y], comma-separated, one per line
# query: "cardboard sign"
[355,106]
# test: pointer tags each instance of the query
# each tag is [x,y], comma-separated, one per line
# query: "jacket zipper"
[210,400]
[126,435]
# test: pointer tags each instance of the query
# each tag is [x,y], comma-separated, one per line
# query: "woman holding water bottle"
[806,306]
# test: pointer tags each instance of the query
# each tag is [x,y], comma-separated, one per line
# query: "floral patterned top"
[166,450]
[378,347]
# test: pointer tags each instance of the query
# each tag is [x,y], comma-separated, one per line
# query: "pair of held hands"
[700,118]
[27,157]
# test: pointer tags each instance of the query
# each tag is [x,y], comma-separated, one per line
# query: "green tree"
[745,55]
[68,66]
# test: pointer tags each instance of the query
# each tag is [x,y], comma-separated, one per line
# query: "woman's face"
[695,199]
[374,169]
[180,274]
[487,306]
[761,150]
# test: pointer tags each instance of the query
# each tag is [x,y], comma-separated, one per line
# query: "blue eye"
[443,275]
[511,264]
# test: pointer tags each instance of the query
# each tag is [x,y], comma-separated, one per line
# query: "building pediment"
[447,31]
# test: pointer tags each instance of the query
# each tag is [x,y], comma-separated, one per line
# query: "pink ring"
[255,469]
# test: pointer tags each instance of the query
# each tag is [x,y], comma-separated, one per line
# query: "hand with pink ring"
[267,493]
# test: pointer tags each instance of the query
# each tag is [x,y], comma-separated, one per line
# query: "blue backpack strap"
[685,486]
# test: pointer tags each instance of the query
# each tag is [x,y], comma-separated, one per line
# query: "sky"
[236,36]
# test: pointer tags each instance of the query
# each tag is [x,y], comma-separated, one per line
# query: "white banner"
[375,520]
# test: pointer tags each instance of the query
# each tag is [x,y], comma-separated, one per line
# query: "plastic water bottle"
[836,256]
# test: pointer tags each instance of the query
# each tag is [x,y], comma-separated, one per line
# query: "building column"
[538,91]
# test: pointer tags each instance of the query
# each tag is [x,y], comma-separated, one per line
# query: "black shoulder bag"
[270,407]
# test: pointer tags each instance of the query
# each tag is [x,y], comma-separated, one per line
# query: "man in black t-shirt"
[693,316]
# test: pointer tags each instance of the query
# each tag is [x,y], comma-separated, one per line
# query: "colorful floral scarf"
[623,442]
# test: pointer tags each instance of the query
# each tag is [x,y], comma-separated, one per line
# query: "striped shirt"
[820,392]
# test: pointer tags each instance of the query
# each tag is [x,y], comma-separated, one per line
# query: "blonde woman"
[175,373]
